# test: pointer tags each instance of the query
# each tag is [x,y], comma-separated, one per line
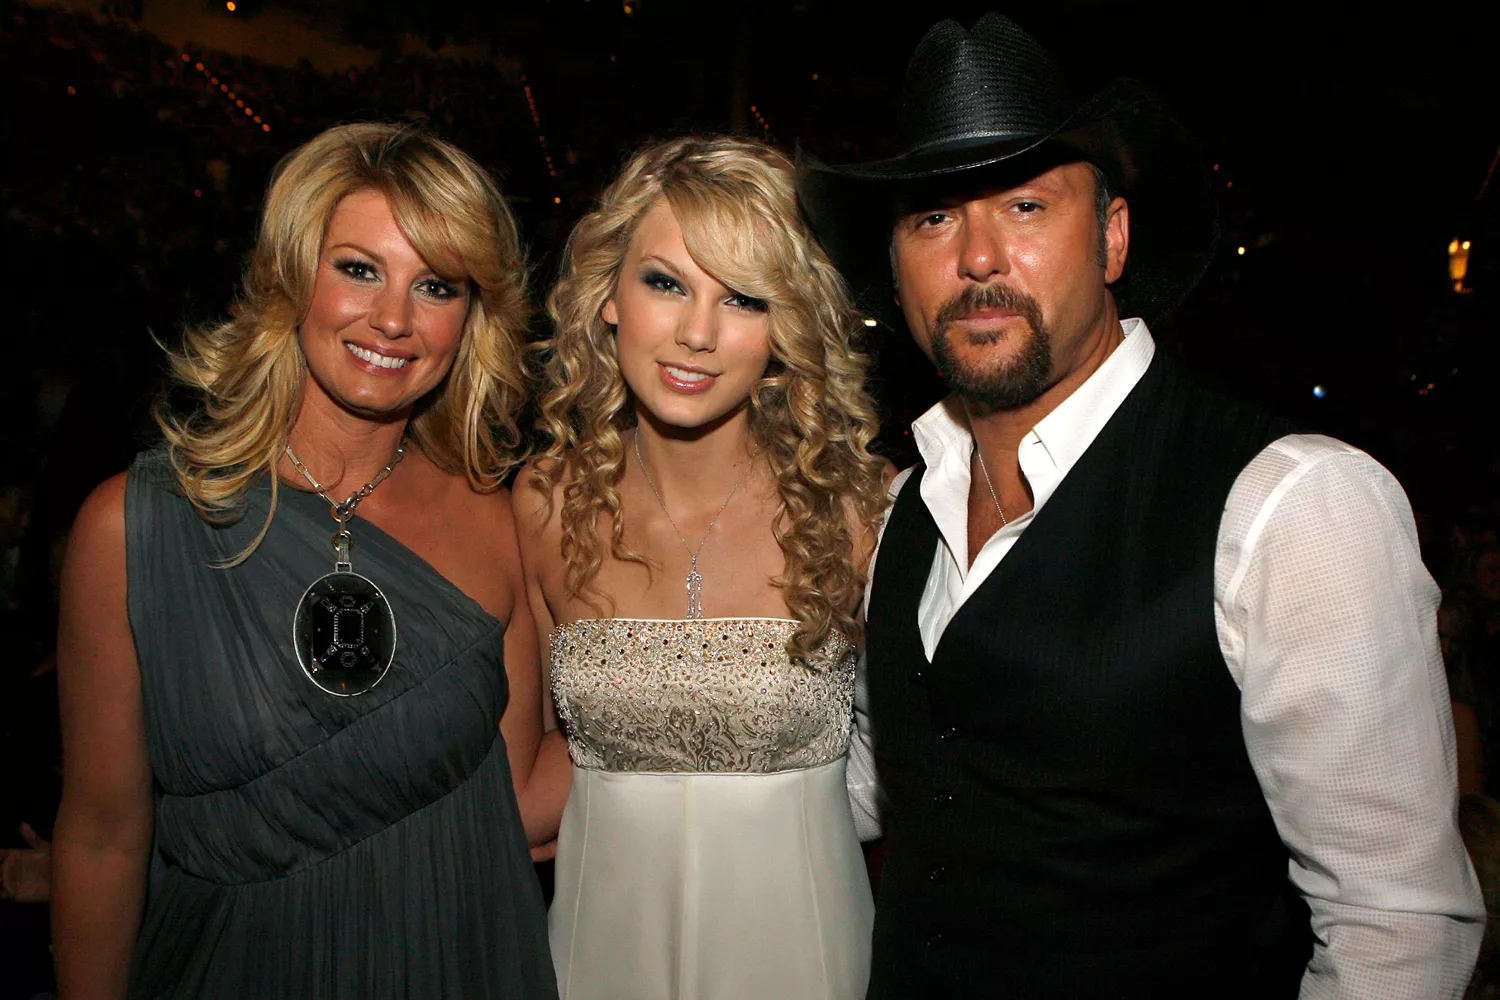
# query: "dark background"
[1350,148]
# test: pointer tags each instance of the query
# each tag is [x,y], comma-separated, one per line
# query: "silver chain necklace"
[344,630]
[694,578]
[1004,522]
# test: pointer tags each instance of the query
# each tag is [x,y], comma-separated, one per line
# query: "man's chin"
[991,397]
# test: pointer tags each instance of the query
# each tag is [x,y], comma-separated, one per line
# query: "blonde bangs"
[731,239]
[811,416]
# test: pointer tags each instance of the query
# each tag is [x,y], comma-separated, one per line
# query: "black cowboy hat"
[991,99]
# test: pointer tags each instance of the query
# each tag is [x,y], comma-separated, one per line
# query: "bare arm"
[104,823]
[537,754]
[552,776]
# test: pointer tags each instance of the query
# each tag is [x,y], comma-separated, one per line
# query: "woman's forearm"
[98,888]
[546,790]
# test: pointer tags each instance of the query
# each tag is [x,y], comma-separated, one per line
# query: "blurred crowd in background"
[115,249]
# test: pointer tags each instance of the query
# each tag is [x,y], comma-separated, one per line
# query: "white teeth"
[682,375]
[377,359]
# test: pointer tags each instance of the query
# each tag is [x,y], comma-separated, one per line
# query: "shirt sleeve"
[864,786]
[1327,621]
[863,782]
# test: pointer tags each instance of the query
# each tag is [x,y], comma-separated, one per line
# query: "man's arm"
[863,781]
[1327,619]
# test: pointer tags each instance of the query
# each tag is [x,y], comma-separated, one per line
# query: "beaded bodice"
[708,695]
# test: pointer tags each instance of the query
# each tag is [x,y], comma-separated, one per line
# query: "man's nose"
[981,249]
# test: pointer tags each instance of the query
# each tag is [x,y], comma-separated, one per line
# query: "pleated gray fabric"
[311,846]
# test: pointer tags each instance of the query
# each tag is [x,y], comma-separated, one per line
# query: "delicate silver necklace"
[344,630]
[1004,522]
[694,578]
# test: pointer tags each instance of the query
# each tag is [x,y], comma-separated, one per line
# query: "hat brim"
[1123,129]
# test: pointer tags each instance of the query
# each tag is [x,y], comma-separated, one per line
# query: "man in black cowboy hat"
[1136,652]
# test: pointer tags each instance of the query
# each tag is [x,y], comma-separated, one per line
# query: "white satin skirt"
[711,887]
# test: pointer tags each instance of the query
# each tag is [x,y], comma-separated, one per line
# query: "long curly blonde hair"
[810,414]
[247,373]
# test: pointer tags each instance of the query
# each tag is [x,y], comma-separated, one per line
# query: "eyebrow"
[663,261]
[364,250]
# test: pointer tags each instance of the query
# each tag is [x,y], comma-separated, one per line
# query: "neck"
[342,450]
[998,432]
[694,469]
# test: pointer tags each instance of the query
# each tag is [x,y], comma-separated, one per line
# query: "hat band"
[969,139]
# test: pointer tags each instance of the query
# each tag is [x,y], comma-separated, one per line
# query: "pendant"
[694,592]
[344,633]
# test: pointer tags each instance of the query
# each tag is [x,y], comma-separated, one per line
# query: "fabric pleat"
[309,845]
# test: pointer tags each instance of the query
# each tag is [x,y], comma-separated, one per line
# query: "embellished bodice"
[717,695]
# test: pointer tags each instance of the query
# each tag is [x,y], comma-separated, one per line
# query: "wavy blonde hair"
[810,415]
[247,372]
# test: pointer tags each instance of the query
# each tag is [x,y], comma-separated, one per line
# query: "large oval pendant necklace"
[343,630]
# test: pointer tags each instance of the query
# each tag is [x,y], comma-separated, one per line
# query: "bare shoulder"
[536,500]
[99,527]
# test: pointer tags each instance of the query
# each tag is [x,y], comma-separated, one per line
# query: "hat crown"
[993,80]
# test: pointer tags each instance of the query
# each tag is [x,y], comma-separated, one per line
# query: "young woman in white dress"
[695,535]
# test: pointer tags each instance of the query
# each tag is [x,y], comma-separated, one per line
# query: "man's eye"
[930,219]
[1027,207]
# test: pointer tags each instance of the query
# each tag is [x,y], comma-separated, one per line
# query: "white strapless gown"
[708,851]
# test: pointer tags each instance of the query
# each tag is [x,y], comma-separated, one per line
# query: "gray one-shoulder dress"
[311,846]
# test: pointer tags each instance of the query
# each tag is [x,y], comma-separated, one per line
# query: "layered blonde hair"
[247,372]
[810,415]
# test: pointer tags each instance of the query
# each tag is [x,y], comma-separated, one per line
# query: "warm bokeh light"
[1240,251]
[869,322]
[229,5]
[1458,263]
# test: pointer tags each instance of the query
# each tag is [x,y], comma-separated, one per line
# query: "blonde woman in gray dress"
[695,536]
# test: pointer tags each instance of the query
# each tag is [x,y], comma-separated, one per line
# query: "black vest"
[1072,813]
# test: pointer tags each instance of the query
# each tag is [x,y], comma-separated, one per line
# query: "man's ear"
[1116,240]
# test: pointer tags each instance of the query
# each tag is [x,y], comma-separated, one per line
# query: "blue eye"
[749,303]
[661,282]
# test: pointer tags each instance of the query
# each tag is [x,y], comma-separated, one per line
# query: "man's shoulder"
[1326,463]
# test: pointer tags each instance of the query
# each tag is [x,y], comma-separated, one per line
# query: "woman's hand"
[26,872]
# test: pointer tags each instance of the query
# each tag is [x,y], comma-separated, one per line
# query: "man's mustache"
[976,298]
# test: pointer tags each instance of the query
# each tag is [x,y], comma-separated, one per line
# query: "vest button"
[937,874]
[934,939]
[918,677]
[942,799]
[947,733]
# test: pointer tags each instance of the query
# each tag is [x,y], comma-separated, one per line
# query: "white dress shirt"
[1327,621]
